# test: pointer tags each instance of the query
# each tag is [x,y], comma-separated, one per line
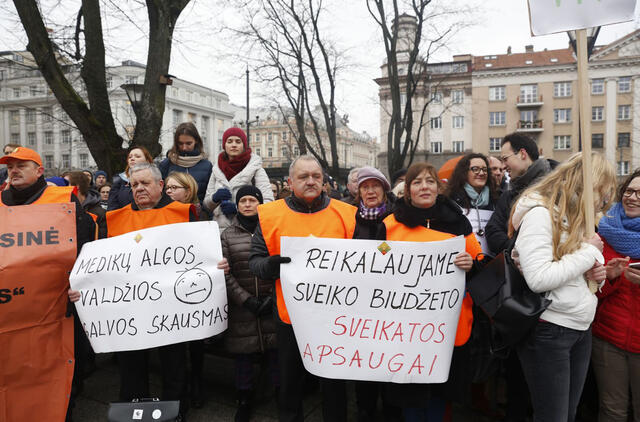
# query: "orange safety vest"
[399,231]
[126,219]
[338,221]
[53,195]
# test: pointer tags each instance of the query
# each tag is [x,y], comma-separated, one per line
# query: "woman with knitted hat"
[187,156]
[236,166]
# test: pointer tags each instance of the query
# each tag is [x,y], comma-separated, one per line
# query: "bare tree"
[283,42]
[409,52]
[94,119]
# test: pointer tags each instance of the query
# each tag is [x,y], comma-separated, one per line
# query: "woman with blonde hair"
[557,260]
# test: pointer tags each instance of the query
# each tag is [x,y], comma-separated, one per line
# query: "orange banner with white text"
[37,251]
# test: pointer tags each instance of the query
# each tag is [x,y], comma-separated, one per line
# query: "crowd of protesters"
[538,200]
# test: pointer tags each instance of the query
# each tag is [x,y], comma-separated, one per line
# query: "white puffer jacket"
[251,174]
[562,281]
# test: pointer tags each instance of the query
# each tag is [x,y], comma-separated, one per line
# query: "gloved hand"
[252,304]
[274,262]
[228,208]
[222,194]
[266,306]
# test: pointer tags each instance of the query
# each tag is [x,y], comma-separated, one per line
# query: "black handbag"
[501,291]
[144,410]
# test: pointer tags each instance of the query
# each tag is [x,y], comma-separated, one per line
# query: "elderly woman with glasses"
[616,328]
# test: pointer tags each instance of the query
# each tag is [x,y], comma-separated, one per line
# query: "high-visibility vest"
[126,219]
[338,220]
[53,195]
[399,231]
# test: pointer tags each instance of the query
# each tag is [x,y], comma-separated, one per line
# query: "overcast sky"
[497,24]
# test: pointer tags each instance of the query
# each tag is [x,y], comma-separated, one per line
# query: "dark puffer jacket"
[246,333]
[201,171]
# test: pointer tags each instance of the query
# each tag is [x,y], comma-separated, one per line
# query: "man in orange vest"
[151,207]
[26,186]
[307,212]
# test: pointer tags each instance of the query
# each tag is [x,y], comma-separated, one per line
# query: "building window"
[16,92]
[597,140]
[623,168]
[31,115]
[284,136]
[285,152]
[436,97]
[48,161]
[31,139]
[562,115]
[436,147]
[624,84]
[130,79]
[14,117]
[562,89]
[597,114]
[562,142]
[48,138]
[270,152]
[458,122]
[624,112]
[458,146]
[624,140]
[66,162]
[177,117]
[529,116]
[497,93]
[15,138]
[457,96]
[258,151]
[597,86]
[497,118]
[436,123]
[495,144]
[296,151]
[83,160]
[66,136]
[47,114]
[528,93]
[269,137]
[33,91]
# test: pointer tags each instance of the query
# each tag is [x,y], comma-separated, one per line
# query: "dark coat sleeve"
[164,167]
[258,257]
[119,195]
[497,227]
[85,227]
[235,291]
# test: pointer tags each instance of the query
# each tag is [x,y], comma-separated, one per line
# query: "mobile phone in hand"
[635,265]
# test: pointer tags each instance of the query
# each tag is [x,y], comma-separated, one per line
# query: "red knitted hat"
[235,131]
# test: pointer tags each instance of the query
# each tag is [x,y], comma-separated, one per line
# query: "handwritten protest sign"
[152,287]
[372,310]
[551,16]
[478,220]
[37,250]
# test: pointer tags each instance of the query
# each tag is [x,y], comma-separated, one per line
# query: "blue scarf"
[621,232]
[478,200]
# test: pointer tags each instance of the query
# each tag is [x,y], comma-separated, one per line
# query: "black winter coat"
[246,332]
[120,193]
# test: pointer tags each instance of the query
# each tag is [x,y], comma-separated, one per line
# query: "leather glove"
[274,262]
[252,304]
[222,194]
[266,306]
[228,208]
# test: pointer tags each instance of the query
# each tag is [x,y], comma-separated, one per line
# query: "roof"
[530,59]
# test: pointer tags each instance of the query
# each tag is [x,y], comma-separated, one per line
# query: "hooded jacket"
[572,304]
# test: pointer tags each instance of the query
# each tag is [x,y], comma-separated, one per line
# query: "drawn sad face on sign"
[193,286]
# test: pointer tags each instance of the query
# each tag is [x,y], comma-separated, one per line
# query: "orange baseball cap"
[24,154]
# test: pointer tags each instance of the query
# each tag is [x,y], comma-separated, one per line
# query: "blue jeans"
[555,360]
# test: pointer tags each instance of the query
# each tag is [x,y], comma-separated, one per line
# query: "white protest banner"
[373,310]
[551,16]
[151,287]
[478,219]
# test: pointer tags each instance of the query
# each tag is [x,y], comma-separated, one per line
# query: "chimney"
[528,48]
[509,50]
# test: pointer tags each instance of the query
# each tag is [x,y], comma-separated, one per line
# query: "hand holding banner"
[372,310]
[152,287]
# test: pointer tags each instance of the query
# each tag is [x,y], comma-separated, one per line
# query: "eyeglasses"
[504,158]
[628,193]
[172,188]
[478,170]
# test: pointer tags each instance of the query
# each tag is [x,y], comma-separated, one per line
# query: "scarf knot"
[477,200]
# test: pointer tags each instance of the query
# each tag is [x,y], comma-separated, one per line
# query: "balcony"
[529,126]
[529,101]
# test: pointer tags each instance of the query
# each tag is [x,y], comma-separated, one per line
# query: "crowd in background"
[533,198]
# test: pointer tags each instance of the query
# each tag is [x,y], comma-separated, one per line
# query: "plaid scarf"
[372,213]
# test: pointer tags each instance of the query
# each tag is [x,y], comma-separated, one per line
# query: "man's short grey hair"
[305,157]
[155,171]
[353,172]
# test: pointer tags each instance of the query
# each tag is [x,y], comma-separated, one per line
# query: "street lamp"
[134,93]
[592,34]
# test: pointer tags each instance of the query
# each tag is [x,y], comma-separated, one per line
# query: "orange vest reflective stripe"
[338,220]
[126,219]
[398,231]
[53,195]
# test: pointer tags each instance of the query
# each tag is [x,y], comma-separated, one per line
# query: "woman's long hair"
[189,129]
[561,192]
[460,176]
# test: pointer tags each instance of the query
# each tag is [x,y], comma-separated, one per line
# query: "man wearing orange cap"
[34,281]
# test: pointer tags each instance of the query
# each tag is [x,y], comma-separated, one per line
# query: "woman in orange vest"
[424,215]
